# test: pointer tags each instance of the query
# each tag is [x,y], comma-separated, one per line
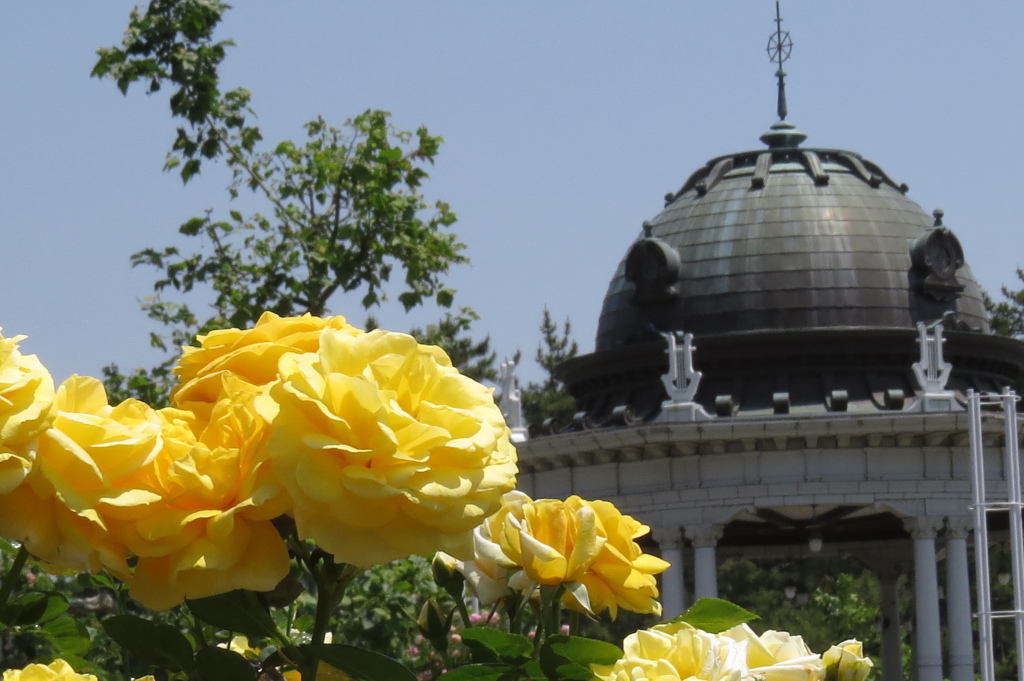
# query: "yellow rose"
[778,656]
[846,662]
[58,670]
[385,449]
[210,531]
[576,541]
[26,409]
[91,470]
[250,354]
[622,575]
[676,652]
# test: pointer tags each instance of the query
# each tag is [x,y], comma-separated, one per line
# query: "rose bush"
[296,454]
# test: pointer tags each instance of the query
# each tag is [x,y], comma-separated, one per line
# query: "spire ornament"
[782,134]
[779,47]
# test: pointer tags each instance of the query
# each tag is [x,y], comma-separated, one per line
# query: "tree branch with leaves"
[344,209]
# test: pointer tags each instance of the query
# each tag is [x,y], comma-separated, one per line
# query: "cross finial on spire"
[779,47]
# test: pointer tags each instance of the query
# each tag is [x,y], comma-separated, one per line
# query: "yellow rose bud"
[385,449]
[846,662]
[433,624]
[445,571]
[58,670]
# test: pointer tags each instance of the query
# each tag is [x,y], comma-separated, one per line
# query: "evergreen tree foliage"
[549,399]
[471,357]
[1007,316]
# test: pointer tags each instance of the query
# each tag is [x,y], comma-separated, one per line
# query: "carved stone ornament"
[652,266]
[936,256]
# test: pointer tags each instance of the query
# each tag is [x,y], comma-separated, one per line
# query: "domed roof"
[788,238]
[800,272]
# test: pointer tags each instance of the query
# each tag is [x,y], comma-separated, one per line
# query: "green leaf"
[192,227]
[534,672]
[492,645]
[714,615]
[190,168]
[25,610]
[239,610]
[568,658]
[481,672]
[56,605]
[158,644]
[69,637]
[218,664]
[445,297]
[360,664]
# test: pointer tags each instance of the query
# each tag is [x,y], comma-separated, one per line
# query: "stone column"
[705,566]
[892,649]
[673,594]
[958,600]
[928,644]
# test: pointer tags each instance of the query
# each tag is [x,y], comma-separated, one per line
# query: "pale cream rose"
[385,449]
[211,530]
[847,662]
[778,656]
[677,652]
[26,409]
[92,470]
[250,354]
[58,670]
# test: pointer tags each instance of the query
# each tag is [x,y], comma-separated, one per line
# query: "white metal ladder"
[982,507]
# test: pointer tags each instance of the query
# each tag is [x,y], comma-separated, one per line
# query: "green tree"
[472,357]
[344,210]
[830,598]
[549,399]
[1007,316]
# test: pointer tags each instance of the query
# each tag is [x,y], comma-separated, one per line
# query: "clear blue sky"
[565,124]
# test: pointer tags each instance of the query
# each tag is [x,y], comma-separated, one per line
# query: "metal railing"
[982,507]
